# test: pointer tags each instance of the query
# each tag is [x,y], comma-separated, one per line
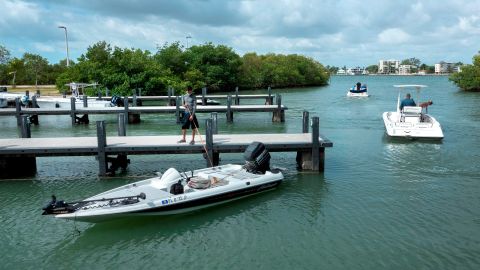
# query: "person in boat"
[359,85]
[408,101]
[190,119]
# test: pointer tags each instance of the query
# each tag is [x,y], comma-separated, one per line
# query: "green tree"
[468,78]
[281,71]
[36,67]
[4,55]
[411,61]
[372,69]
[218,64]
[172,57]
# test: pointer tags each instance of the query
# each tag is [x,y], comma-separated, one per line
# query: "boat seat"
[412,110]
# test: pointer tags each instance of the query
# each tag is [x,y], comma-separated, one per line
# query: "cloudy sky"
[334,32]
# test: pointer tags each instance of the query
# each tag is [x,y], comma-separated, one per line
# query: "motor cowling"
[257,158]
[55,207]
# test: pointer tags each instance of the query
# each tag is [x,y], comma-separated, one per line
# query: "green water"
[380,204]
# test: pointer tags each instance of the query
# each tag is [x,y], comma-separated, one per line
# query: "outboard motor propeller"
[257,158]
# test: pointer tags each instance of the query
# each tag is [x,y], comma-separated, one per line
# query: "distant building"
[356,71]
[388,66]
[406,69]
[341,72]
[446,68]
[422,72]
[352,71]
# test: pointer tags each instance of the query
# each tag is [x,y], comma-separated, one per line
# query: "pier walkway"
[19,154]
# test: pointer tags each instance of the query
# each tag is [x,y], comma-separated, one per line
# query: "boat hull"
[352,94]
[158,201]
[65,103]
[422,130]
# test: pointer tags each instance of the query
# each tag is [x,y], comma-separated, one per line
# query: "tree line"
[468,78]
[120,70]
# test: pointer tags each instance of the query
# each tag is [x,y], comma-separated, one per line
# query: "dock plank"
[80,146]
[140,110]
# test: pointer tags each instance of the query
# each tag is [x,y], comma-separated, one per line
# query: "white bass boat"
[175,192]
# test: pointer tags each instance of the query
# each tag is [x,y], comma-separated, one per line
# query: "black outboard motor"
[116,101]
[257,158]
[55,207]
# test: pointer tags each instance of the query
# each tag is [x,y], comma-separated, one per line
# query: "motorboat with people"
[358,90]
[176,192]
[412,121]
[77,90]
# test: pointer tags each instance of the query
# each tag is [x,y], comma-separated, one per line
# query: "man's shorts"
[190,124]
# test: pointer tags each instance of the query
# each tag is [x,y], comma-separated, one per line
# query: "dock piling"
[315,158]
[305,121]
[237,99]
[18,109]
[315,144]
[72,110]
[279,114]
[213,157]
[85,101]
[34,101]
[214,117]
[229,109]
[25,130]
[122,131]
[102,143]
[204,93]
[269,99]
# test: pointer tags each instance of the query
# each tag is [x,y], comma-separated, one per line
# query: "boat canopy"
[409,86]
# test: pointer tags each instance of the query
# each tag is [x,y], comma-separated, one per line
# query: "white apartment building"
[444,67]
[388,66]
[406,69]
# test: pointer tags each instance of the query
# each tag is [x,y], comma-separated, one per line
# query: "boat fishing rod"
[139,196]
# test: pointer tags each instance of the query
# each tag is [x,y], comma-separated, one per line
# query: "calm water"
[380,204]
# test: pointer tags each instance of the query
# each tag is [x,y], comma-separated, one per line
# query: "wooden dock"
[278,110]
[171,98]
[19,154]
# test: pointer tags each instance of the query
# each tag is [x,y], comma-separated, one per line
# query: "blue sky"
[333,32]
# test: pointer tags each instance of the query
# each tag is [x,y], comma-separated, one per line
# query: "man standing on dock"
[190,120]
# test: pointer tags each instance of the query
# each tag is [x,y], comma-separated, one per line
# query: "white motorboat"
[411,122]
[209,102]
[358,91]
[175,192]
[59,102]
[77,90]
[8,98]
[65,103]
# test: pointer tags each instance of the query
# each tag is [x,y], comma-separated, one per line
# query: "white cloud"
[18,11]
[337,31]
[393,36]
[42,47]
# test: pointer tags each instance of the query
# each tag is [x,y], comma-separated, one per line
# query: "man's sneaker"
[181,141]
[192,142]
